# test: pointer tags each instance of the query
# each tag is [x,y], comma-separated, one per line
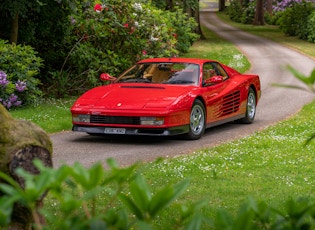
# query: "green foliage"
[248,13]
[20,63]
[311,27]
[298,214]
[43,24]
[297,19]
[182,29]
[75,190]
[80,43]
[294,20]
[116,36]
[128,203]
[235,11]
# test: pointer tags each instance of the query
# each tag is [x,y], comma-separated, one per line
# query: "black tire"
[250,107]
[197,123]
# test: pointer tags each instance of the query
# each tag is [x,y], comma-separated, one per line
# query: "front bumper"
[134,131]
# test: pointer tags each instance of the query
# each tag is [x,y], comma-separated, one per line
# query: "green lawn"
[272,166]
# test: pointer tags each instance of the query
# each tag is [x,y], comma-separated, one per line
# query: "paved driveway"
[268,60]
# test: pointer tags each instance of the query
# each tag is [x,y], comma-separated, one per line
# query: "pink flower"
[144,52]
[98,8]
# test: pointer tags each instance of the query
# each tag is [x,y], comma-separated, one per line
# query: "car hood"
[133,97]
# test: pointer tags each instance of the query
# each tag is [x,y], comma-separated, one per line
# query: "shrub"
[115,34]
[311,27]
[235,11]
[182,29]
[294,19]
[249,13]
[19,67]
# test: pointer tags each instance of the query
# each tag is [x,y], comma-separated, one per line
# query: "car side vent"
[231,103]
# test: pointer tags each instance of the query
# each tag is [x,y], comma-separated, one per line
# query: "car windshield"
[162,73]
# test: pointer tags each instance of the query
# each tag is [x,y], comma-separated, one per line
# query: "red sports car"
[168,96]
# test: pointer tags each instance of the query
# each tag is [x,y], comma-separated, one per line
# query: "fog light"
[83,118]
[152,121]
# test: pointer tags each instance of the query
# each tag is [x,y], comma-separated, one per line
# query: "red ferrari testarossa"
[168,96]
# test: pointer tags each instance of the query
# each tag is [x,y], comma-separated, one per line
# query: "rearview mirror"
[107,77]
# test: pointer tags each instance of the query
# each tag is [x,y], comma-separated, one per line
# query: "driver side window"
[208,71]
[220,71]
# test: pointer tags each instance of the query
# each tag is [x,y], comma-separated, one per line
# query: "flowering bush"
[9,91]
[114,34]
[18,67]
[282,5]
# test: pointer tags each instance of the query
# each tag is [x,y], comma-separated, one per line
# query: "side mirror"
[107,77]
[214,80]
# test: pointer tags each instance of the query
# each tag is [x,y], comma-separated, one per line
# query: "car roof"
[175,59]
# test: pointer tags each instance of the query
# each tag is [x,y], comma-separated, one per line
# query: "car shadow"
[149,140]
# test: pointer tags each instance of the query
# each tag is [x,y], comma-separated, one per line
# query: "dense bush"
[311,27]
[294,19]
[235,11]
[248,13]
[242,13]
[115,34]
[44,25]
[19,69]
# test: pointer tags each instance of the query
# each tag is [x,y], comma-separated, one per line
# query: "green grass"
[273,33]
[53,115]
[215,48]
[272,166]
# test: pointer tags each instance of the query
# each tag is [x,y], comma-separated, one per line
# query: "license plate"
[115,131]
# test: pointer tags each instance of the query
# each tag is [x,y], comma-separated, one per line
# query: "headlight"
[81,118]
[152,121]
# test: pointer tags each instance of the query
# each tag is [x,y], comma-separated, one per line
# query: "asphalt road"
[268,60]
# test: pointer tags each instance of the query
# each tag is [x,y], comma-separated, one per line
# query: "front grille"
[115,120]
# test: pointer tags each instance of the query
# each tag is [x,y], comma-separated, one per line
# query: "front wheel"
[250,107]
[197,123]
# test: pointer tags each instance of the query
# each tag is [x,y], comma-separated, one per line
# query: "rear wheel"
[250,107]
[197,123]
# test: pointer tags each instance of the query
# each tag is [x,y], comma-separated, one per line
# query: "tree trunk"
[196,15]
[14,29]
[221,5]
[259,14]
[269,7]
[20,143]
